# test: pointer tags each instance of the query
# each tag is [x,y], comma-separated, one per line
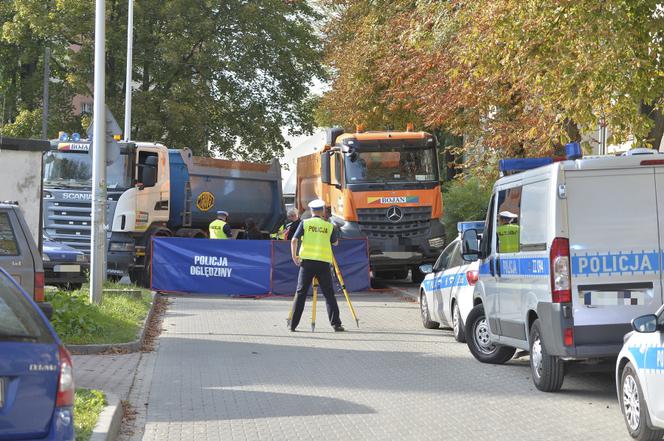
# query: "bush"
[72,314]
[464,199]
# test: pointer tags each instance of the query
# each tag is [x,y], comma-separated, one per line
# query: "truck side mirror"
[149,176]
[325,175]
[470,246]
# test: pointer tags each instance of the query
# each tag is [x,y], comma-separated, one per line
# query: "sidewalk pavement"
[112,373]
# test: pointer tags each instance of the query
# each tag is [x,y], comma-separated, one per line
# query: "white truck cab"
[571,253]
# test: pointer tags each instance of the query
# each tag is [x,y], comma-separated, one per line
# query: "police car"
[446,294]
[640,378]
[570,255]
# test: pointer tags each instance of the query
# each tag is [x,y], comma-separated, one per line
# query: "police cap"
[317,204]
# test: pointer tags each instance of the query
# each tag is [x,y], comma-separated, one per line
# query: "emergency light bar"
[573,152]
[474,225]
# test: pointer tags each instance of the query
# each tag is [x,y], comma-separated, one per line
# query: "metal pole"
[47,76]
[130,52]
[98,244]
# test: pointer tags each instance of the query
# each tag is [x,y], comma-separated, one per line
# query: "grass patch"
[116,320]
[88,404]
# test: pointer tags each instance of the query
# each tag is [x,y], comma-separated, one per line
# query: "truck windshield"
[70,169]
[396,164]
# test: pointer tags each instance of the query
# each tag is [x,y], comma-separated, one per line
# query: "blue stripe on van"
[597,264]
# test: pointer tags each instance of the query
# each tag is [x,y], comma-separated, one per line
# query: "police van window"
[444,260]
[8,243]
[508,229]
[534,215]
[485,242]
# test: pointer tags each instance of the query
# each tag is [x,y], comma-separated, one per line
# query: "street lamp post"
[130,50]
[98,243]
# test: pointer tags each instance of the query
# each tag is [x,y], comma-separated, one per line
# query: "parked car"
[36,379]
[446,294]
[569,256]
[640,378]
[19,254]
[64,266]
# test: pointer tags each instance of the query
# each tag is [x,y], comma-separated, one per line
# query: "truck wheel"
[548,371]
[457,324]
[416,275]
[479,344]
[634,408]
[424,312]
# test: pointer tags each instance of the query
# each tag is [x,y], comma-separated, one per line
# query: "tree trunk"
[654,137]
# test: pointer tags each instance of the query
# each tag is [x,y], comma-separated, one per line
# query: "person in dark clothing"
[251,230]
[293,223]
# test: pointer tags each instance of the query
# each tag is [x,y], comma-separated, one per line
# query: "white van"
[571,253]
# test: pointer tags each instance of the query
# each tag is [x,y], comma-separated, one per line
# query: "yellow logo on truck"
[205,201]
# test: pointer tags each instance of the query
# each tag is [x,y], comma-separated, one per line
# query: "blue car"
[64,266]
[36,377]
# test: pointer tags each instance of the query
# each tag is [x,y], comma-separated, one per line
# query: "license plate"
[2,393]
[67,268]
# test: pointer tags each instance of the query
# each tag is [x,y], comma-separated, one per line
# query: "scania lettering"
[153,191]
[588,260]
[383,186]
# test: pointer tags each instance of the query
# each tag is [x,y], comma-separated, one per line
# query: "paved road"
[227,369]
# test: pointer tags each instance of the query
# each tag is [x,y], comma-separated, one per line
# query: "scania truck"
[383,186]
[153,191]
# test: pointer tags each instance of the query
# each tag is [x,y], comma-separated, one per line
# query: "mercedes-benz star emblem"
[394,214]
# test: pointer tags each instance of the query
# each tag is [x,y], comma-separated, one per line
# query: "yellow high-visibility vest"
[316,240]
[508,238]
[217,229]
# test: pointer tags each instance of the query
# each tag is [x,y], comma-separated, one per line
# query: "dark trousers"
[321,271]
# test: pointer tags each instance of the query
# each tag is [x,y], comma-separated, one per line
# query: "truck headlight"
[437,242]
[122,246]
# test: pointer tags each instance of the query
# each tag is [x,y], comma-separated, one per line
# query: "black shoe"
[292,330]
[339,328]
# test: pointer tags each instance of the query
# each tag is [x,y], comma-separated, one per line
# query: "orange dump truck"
[383,186]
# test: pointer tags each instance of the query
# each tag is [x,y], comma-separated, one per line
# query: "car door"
[457,275]
[15,256]
[487,268]
[653,371]
[442,283]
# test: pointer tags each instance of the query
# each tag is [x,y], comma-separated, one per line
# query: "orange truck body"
[361,178]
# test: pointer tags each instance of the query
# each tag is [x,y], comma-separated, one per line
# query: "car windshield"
[391,164]
[19,321]
[74,169]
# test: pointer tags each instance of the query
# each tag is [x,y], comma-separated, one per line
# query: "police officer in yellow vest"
[508,232]
[219,228]
[318,236]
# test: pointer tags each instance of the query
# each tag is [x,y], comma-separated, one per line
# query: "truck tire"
[477,339]
[424,312]
[457,323]
[417,276]
[548,371]
[634,408]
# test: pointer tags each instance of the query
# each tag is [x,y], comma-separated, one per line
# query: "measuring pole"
[98,243]
[130,52]
[47,76]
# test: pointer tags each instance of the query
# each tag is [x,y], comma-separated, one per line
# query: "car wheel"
[457,324]
[634,407]
[479,344]
[417,276]
[424,312]
[548,371]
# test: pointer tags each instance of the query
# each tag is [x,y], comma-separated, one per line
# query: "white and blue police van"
[446,293]
[640,378]
[570,254]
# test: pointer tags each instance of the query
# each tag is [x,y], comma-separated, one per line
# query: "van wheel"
[457,324]
[477,338]
[424,312]
[548,371]
[634,408]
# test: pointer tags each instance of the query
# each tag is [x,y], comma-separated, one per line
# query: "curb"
[109,421]
[132,346]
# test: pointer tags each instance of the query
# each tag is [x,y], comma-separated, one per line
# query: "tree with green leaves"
[230,75]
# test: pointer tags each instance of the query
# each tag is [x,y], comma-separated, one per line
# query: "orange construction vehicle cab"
[383,186]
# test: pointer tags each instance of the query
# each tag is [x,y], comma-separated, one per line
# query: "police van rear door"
[615,249]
